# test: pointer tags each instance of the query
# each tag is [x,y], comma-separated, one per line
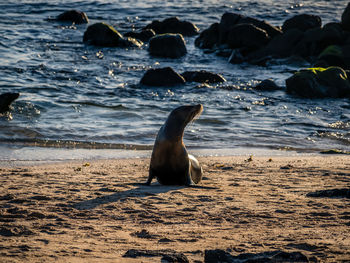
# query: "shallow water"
[79,96]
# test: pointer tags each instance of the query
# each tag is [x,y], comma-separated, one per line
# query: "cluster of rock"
[251,40]
[165,37]
[242,39]
[246,39]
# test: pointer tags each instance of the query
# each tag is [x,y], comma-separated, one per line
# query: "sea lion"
[170,162]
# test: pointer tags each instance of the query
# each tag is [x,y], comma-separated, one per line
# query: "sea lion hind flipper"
[189,181]
[195,169]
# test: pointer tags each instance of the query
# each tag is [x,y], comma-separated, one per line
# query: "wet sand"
[97,211]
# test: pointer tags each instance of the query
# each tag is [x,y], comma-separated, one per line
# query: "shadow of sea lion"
[141,191]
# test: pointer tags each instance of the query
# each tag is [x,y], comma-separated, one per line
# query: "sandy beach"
[98,211]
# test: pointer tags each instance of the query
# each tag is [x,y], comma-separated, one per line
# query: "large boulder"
[167,45]
[302,22]
[279,47]
[345,18]
[6,99]
[102,34]
[235,30]
[319,83]
[317,39]
[173,25]
[246,35]
[202,76]
[331,56]
[145,35]
[267,85]
[229,20]
[209,37]
[335,55]
[162,77]
[271,30]
[73,16]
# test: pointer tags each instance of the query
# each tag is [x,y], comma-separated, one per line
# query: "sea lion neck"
[174,130]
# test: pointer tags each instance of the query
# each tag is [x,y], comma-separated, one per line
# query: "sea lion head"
[179,118]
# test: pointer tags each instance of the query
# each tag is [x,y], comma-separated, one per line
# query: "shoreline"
[10,155]
[89,211]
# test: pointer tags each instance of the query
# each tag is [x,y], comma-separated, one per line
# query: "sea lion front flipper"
[195,169]
[150,177]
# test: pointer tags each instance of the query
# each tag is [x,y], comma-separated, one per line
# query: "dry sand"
[96,212]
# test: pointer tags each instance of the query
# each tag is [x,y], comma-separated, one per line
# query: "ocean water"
[77,96]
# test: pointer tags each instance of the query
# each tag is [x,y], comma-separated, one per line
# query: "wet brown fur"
[170,162]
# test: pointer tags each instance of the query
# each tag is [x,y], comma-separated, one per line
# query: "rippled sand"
[97,211]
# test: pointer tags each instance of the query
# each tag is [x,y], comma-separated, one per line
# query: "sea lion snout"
[199,108]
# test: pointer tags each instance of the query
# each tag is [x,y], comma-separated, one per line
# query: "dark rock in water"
[294,42]
[217,255]
[202,76]
[317,39]
[331,56]
[267,85]
[229,20]
[73,16]
[279,47]
[104,35]
[168,254]
[145,35]
[246,35]
[167,45]
[173,25]
[334,55]
[302,22]
[319,83]
[209,37]
[235,31]
[6,99]
[345,192]
[345,18]
[271,30]
[162,77]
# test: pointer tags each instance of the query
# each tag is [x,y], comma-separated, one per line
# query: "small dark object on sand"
[168,254]
[344,192]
